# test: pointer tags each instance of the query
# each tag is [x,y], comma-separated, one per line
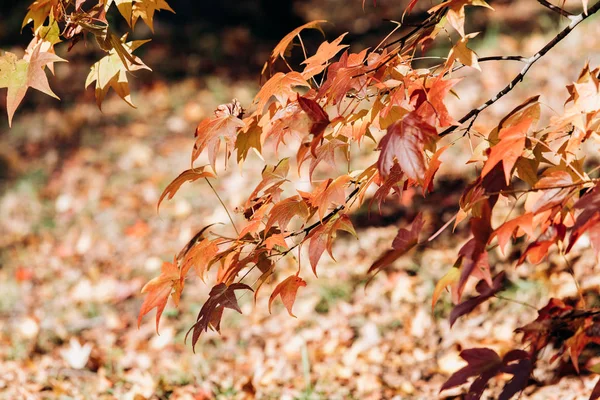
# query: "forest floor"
[80,235]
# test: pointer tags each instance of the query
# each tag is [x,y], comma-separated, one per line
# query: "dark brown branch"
[331,214]
[555,9]
[575,20]
[495,58]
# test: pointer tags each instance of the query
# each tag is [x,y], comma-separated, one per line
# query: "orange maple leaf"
[159,289]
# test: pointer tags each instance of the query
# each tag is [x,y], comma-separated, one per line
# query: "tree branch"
[575,20]
[554,8]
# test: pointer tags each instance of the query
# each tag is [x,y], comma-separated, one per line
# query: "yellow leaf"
[145,9]
[110,72]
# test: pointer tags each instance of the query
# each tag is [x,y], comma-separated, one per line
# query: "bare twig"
[555,9]
[575,20]
[224,206]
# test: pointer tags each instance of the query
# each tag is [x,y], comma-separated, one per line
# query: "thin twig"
[555,9]
[575,20]
[224,206]
[515,301]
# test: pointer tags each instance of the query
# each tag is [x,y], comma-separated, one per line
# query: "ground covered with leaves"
[80,235]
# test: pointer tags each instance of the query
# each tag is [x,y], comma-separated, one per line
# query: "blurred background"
[80,234]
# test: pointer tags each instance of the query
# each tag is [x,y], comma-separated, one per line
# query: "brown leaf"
[403,242]
[485,292]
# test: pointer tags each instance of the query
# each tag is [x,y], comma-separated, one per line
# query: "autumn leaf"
[158,290]
[588,219]
[210,132]
[19,75]
[38,11]
[249,137]
[523,223]
[199,257]
[484,364]
[554,191]
[111,72]
[456,12]
[189,175]
[405,143]
[450,278]
[145,10]
[434,110]
[328,194]
[282,47]
[404,241]
[463,54]
[320,60]
[287,290]
[220,297]
[281,87]
[319,118]
[283,212]
[509,148]
[485,292]
[321,238]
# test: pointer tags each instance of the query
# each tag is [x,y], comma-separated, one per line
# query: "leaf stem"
[224,206]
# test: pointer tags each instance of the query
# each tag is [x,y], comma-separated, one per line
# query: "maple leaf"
[199,257]
[145,10]
[320,60]
[282,47]
[19,75]
[273,176]
[111,72]
[211,131]
[404,241]
[450,278]
[158,290]
[287,290]
[523,223]
[485,292]
[38,11]
[434,109]
[220,297]
[189,175]
[285,210]
[319,118]
[463,54]
[588,219]
[405,142]
[390,182]
[434,165]
[281,87]
[587,333]
[247,138]
[325,153]
[328,194]
[554,193]
[484,364]
[321,238]
[509,149]
[456,12]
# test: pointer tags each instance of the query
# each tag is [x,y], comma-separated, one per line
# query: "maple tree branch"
[554,8]
[534,189]
[331,214]
[575,20]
